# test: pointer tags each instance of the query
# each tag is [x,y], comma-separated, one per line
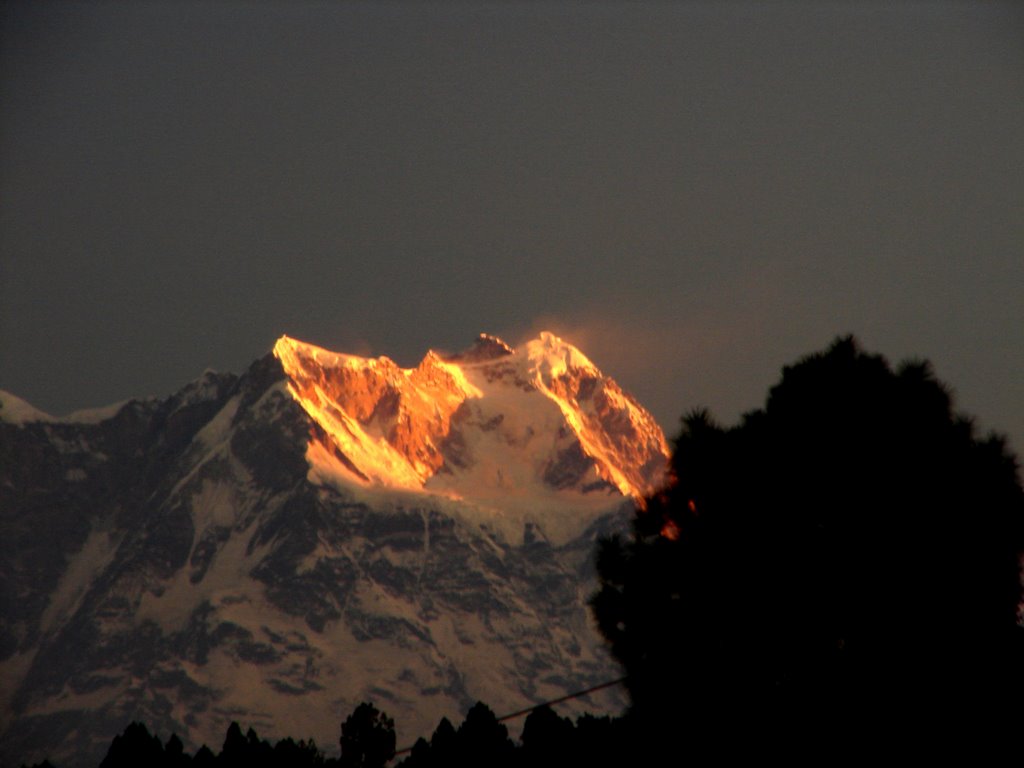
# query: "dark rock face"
[173,564]
[485,348]
[59,481]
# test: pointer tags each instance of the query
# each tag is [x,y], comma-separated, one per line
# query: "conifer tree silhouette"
[482,740]
[235,751]
[174,753]
[204,758]
[443,744]
[136,746]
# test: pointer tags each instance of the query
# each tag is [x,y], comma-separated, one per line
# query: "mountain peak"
[14,410]
[554,357]
[508,426]
[486,347]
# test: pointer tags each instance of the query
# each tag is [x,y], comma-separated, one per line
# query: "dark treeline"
[368,741]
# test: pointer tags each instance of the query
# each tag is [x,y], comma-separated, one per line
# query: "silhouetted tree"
[204,758]
[603,741]
[302,754]
[235,751]
[367,738]
[249,750]
[845,561]
[136,746]
[420,755]
[260,753]
[443,743]
[548,740]
[174,753]
[482,740]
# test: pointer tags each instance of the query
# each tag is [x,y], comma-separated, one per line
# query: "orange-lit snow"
[492,424]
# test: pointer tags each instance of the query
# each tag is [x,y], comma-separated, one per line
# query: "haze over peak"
[492,422]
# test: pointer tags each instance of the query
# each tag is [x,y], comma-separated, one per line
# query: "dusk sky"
[695,193]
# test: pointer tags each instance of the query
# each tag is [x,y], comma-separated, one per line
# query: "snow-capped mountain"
[324,529]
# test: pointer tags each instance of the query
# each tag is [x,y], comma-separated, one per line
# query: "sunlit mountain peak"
[553,357]
[507,427]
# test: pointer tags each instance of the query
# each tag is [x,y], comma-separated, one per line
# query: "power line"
[521,712]
[576,695]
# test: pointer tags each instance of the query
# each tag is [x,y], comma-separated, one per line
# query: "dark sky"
[695,194]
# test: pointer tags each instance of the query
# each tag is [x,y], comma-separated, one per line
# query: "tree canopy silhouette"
[482,740]
[367,738]
[844,561]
